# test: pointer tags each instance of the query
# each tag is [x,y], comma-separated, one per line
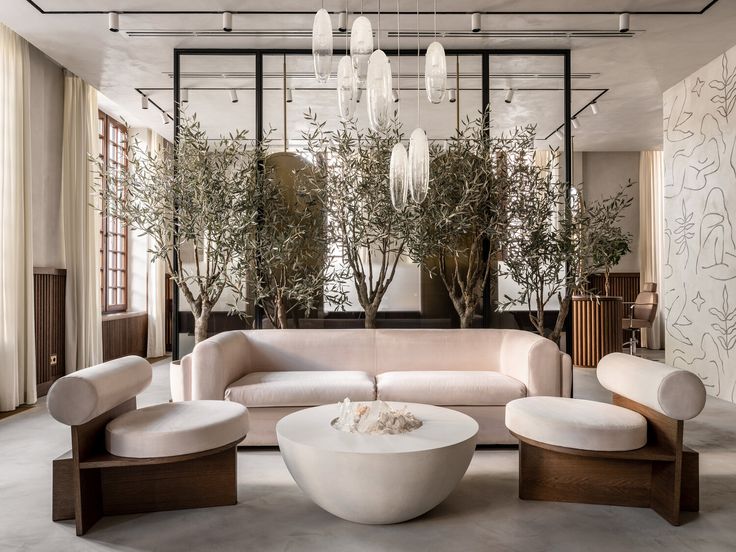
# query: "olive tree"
[194,203]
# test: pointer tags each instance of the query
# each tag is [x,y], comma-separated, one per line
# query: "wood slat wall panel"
[596,326]
[49,293]
[124,335]
[623,284]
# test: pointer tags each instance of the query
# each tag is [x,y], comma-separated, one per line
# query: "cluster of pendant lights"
[370,69]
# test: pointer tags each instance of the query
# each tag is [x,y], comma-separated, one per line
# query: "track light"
[342,22]
[594,108]
[164,118]
[144,102]
[233,95]
[184,95]
[509,96]
[475,22]
[575,123]
[113,21]
[227,21]
[623,22]
[558,134]
[359,95]
[452,95]
[395,96]
[289,97]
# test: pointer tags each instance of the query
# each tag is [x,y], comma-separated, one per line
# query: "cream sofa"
[276,372]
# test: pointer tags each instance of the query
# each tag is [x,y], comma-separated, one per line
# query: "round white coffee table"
[377,479]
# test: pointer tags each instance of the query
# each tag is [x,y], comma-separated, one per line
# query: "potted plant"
[460,224]
[194,203]
[287,267]
[352,172]
[611,247]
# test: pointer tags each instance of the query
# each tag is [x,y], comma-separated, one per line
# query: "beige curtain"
[651,235]
[17,347]
[81,223]
[156,278]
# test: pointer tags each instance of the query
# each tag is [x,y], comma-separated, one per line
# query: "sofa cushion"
[449,388]
[262,389]
[173,429]
[577,423]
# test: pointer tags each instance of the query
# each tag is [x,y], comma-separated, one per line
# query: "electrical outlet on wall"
[53,360]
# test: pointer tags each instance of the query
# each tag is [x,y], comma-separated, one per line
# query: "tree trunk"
[370,316]
[281,314]
[606,284]
[200,326]
[466,317]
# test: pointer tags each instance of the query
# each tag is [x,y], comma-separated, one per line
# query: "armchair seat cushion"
[449,388]
[635,324]
[308,388]
[173,429]
[576,423]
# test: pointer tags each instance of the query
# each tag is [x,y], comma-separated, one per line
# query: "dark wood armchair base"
[663,475]
[89,483]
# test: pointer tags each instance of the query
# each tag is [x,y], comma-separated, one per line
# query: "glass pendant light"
[418,165]
[322,45]
[435,72]
[398,176]
[379,85]
[347,88]
[361,47]
[418,179]
[435,67]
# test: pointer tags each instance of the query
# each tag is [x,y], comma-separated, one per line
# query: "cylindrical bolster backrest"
[676,393]
[82,396]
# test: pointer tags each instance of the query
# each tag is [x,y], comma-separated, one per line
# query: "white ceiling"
[634,71]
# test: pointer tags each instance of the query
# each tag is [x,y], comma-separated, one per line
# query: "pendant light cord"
[419,116]
[379,24]
[398,61]
[347,49]
[435,19]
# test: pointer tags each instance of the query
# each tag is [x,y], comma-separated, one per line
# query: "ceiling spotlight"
[359,95]
[289,97]
[575,123]
[594,108]
[509,95]
[233,95]
[558,134]
[475,22]
[184,95]
[623,22]
[452,95]
[227,21]
[342,22]
[113,21]
[395,96]
[164,118]
[144,102]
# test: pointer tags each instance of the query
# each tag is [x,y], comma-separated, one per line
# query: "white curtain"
[17,347]
[81,222]
[156,279]
[651,235]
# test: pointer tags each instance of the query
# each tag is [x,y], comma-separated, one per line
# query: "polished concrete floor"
[483,514]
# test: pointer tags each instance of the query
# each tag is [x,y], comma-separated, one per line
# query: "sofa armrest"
[217,362]
[566,366]
[533,360]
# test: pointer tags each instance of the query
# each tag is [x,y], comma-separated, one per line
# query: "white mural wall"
[700,213]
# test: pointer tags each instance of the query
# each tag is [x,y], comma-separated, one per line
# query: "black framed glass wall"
[275,88]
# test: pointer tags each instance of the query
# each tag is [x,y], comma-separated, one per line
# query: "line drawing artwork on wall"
[717,248]
[707,364]
[676,316]
[684,232]
[692,169]
[698,87]
[725,88]
[668,270]
[725,325]
[673,122]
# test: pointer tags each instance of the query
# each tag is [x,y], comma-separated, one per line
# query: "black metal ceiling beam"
[708,6]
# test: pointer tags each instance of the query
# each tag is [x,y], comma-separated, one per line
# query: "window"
[113,137]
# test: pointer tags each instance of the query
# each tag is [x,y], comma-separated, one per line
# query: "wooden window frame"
[121,271]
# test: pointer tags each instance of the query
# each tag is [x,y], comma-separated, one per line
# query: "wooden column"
[596,323]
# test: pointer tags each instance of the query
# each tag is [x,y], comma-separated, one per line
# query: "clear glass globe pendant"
[379,90]
[398,177]
[322,45]
[361,47]
[418,165]
[435,72]
[347,88]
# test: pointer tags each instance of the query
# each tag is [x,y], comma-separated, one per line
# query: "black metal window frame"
[486,55]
